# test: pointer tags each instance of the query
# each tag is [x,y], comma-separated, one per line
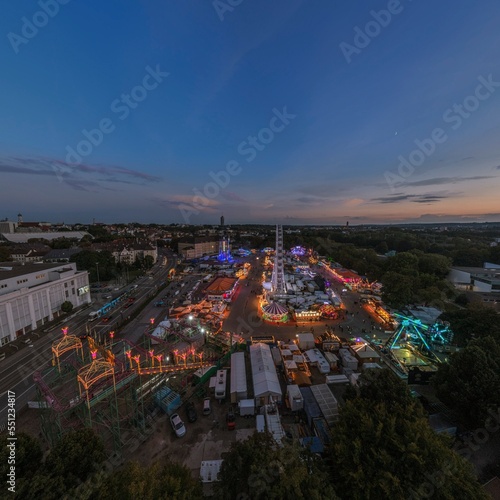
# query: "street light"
[97,267]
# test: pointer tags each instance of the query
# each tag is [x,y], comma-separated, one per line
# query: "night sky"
[265,111]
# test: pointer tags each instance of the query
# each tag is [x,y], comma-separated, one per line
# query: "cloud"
[415,198]
[77,176]
[229,195]
[354,202]
[324,190]
[184,201]
[438,181]
[9,169]
[310,200]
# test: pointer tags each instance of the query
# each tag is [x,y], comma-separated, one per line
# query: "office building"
[32,294]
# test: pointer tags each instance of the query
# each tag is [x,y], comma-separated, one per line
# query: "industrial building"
[476,279]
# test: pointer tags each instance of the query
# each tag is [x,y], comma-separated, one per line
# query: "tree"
[383,447]
[470,382]
[43,486]
[162,480]
[258,468]
[75,457]
[59,243]
[436,265]
[382,248]
[66,307]
[398,289]
[477,321]
[5,255]
[92,261]
[404,263]
[462,300]
[470,256]
[148,261]
[28,458]
[72,460]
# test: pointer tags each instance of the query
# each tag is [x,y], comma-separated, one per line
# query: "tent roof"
[275,309]
[265,378]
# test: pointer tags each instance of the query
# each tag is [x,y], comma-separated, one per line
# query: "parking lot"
[206,439]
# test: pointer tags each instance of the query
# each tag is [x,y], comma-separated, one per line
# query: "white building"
[7,226]
[476,279]
[238,377]
[266,386]
[32,294]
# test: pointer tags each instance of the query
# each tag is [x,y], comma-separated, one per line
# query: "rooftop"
[221,284]
[14,269]
[24,237]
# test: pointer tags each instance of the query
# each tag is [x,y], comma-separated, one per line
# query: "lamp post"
[97,267]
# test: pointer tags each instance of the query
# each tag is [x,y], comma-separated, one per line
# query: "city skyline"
[283,113]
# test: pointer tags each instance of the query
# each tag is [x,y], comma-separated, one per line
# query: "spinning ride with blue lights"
[423,336]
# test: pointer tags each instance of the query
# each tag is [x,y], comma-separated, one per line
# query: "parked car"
[177,425]
[230,419]
[207,408]
[191,412]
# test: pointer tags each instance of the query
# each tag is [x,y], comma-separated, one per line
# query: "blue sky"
[355,108]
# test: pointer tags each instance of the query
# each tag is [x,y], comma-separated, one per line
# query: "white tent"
[238,377]
[264,376]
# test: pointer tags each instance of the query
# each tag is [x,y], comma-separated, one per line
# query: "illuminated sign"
[83,290]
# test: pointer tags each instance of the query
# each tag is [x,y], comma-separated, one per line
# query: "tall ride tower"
[224,244]
[278,278]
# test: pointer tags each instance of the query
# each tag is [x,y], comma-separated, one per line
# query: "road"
[16,371]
